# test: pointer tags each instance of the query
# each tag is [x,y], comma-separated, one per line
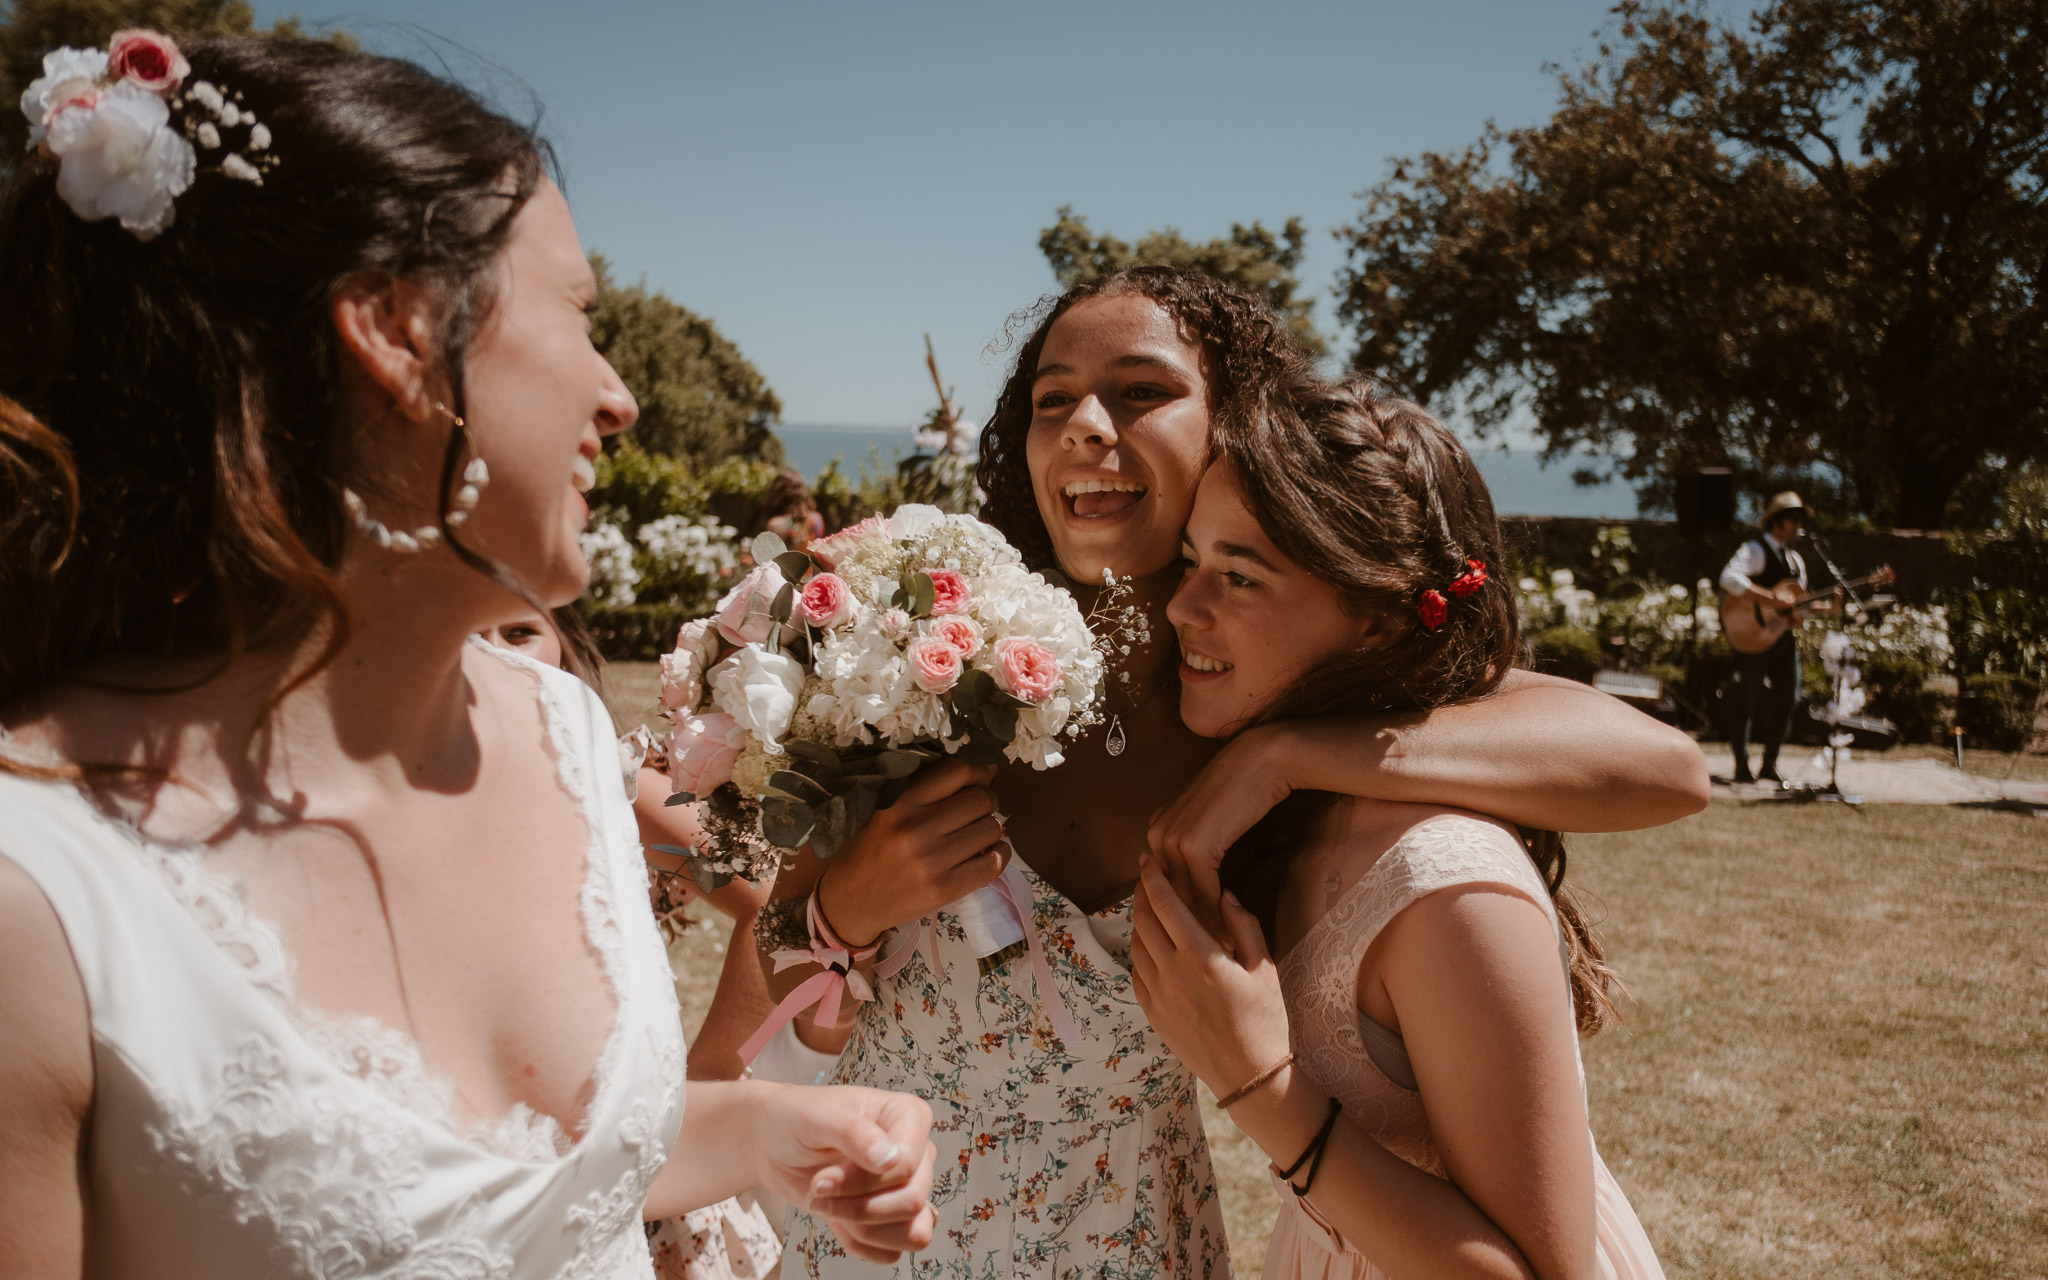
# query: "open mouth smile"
[1101,498]
[1198,667]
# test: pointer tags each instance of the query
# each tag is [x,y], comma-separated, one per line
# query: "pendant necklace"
[1114,742]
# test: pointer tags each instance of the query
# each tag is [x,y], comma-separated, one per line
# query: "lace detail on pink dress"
[1320,974]
[1319,979]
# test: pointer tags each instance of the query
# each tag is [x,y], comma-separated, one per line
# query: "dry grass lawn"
[1836,1055]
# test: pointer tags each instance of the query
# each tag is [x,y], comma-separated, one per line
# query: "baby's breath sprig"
[1119,626]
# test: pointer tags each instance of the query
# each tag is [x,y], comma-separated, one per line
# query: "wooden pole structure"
[949,417]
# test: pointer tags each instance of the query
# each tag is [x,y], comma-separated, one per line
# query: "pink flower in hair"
[148,58]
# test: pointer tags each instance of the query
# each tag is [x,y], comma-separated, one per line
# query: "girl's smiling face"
[1250,621]
[1119,435]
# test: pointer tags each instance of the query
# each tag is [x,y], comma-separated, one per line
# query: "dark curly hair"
[171,463]
[1369,493]
[1247,348]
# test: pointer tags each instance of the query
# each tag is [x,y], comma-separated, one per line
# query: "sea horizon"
[1520,483]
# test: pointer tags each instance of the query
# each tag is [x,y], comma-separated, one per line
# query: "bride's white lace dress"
[235,1132]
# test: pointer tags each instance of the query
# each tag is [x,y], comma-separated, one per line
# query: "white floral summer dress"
[1054,1160]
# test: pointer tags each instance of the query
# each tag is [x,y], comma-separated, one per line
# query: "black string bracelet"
[1313,1155]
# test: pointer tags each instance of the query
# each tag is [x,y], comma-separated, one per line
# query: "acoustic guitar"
[1753,626]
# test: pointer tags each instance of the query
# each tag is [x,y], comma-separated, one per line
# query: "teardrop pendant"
[1114,743]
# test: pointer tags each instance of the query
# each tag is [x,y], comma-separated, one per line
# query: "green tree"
[1252,258]
[700,399]
[31,28]
[1814,246]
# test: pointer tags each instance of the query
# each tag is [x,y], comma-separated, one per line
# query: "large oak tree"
[1811,248]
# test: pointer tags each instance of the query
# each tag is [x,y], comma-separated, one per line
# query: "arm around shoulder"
[45,1087]
[1542,752]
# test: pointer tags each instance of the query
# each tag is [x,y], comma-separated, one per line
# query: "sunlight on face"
[1119,433]
[540,401]
[1250,621]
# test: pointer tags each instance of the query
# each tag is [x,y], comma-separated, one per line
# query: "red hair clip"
[1433,608]
[1469,581]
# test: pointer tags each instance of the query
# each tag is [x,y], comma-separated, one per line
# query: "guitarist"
[1768,570]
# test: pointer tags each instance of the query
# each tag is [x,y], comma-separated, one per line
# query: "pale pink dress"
[1365,1066]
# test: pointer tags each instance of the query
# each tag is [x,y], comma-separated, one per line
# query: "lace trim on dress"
[601,930]
[360,1046]
[330,1195]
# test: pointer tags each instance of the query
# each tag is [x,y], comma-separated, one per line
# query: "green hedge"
[634,632]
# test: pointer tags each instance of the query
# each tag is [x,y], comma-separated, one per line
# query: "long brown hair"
[1372,495]
[1246,346]
[171,463]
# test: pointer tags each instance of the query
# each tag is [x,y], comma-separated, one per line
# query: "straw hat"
[1786,501]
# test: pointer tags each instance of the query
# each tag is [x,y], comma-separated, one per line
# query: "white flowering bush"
[1557,601]
[614,578]
[677,560]
[689,561]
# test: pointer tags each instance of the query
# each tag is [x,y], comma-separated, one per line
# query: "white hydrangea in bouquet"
[829,676]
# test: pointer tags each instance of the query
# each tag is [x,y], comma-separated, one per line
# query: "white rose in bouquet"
[758,690]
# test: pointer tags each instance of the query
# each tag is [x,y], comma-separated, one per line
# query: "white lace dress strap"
[235,1133]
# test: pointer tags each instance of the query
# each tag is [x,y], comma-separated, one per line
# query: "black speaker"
[1705,501]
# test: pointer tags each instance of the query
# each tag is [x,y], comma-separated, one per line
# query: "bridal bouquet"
[829,676]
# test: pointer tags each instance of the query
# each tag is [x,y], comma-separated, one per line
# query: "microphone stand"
[1841,579]
[1833,791]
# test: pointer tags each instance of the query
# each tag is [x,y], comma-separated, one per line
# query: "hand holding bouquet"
[829,676]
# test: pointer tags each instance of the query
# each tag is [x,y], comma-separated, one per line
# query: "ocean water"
[1521,484]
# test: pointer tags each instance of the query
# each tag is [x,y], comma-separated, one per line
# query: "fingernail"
[1231,898]
[883,1153]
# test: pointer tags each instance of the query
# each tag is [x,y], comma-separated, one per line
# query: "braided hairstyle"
[1246,346]
[171,455]
[1371,494]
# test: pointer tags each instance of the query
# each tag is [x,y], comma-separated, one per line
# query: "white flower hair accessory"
[106,117]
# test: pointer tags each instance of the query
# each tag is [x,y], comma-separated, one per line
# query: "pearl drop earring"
[475,477]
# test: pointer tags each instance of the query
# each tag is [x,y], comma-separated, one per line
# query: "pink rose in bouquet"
[742,616]
[949,591]
[964,634]
[149,59]
[827,600]
[934,664]
[828,550]
[1026,669]
[682,669]
[701,752]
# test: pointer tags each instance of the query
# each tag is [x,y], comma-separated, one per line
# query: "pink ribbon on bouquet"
[825,988]
[1041,970]
[822,989]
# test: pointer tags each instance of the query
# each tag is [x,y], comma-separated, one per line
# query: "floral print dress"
[1054,1160]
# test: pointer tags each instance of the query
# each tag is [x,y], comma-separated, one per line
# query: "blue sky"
[828,182]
